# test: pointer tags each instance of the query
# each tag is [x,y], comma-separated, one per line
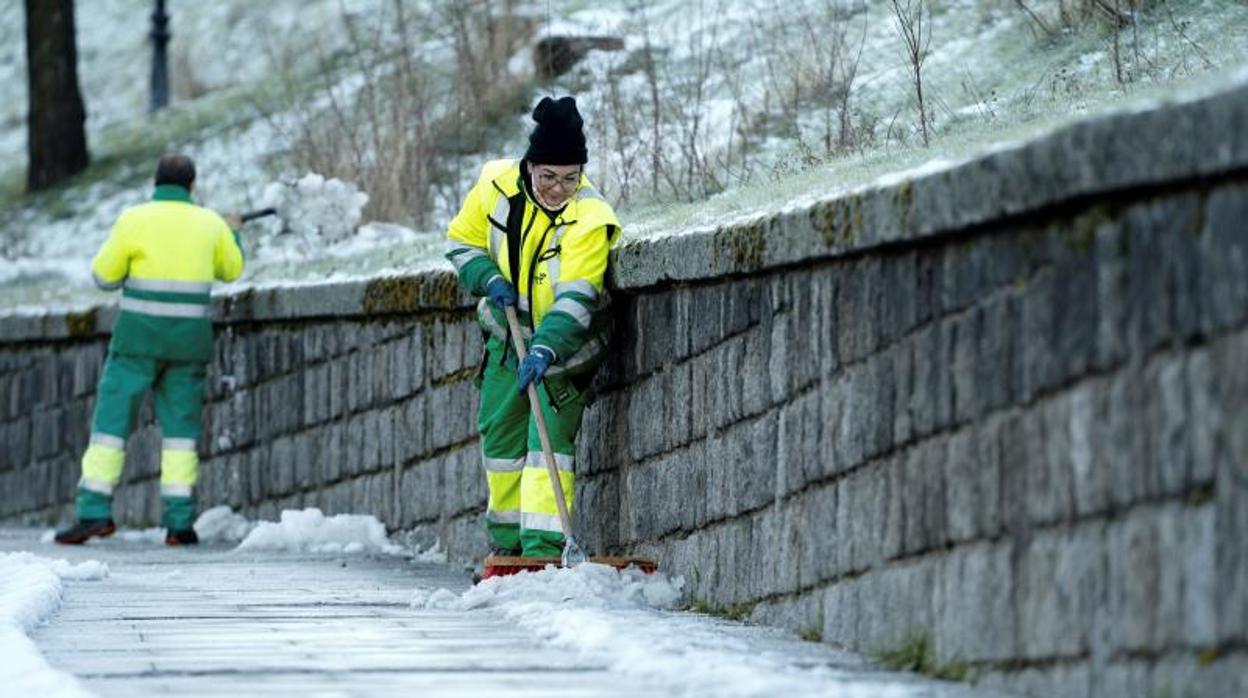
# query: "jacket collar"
[511,182]
[171,192]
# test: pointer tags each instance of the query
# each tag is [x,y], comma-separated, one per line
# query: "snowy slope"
[988,79]
[215,45]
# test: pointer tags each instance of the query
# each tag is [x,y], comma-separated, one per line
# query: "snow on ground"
[434,554]
[305,531]
[30,592]
[628,621]
[311,531]
[221,524]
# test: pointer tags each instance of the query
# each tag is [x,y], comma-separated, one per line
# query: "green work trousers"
[522,513]
[178,388]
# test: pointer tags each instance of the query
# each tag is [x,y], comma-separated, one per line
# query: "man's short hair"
[175,169]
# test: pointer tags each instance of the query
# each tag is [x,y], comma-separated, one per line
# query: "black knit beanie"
[557,139]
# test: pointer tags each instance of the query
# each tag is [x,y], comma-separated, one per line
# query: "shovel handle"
[552,469]
[260,213]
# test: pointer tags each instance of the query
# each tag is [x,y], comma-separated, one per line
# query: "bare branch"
[909,16]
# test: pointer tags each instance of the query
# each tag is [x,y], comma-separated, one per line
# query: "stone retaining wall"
[1002,407]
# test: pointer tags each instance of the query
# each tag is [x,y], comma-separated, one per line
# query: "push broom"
[572,553]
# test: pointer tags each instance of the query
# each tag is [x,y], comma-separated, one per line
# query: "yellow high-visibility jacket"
[556,265]
[164,256]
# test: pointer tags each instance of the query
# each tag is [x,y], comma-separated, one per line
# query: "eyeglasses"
[566,182]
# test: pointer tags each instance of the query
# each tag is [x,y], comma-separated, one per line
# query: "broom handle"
[535,405]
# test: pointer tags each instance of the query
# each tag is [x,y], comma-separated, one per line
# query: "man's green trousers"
[522,513]
[178,388]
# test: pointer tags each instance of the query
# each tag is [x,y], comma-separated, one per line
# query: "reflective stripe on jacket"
[164,256]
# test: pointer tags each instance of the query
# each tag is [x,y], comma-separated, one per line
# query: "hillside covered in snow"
[364,121]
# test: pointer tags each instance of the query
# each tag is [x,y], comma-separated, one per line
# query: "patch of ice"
[154,536]
[311,531]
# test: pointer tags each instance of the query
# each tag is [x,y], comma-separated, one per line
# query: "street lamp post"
[160,59]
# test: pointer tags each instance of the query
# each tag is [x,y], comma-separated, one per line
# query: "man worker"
[164,256]
[535,234]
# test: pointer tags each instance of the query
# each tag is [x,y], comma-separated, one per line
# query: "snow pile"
[30,592]
[63,569]
[624,620]
[590,585]
[311,531]
[317,208]
[374,250]
[300,531]
[222,524]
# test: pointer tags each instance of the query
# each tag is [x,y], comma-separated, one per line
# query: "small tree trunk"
[56,120]
[918,90]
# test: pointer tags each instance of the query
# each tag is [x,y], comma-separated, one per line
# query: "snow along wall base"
[999,405]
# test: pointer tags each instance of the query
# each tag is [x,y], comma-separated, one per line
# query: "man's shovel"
[244,218]
[572,553]
[260,213]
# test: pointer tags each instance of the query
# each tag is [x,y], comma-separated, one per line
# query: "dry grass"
[659,135]
[392,131]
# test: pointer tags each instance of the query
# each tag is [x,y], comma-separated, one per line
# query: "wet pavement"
[207,621]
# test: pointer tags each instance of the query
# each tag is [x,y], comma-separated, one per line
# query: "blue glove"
[501,293]
[534,366]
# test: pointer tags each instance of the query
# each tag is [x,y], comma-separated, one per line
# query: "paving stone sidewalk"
[207,621]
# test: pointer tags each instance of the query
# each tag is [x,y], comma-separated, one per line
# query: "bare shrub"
[621,130]
[1132,56]
[917,38]
[668,137]
[833,71]
[186,84]
[485,35]
[658,136]
[695,178]
[1052,16]
[391,111]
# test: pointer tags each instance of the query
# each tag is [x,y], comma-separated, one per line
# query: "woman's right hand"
[501,293]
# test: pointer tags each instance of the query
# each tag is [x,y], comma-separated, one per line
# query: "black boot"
[183,537]
[86,529]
